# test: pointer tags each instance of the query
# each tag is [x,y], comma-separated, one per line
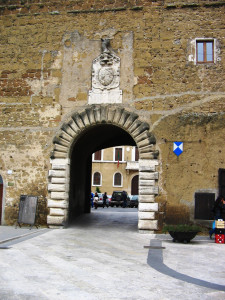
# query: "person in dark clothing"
[124,197]
[105,197]
[92,200]
[217,210]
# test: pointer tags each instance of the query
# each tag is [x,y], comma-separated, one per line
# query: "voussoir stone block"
[123,118]
[111,113]
[142,136]
[60,148]
[68,130]
[134,126]
[130,120]
[74,126]
[146,149]
[85,118]
[148,155]
[66,136]
[59,154]
[117,115]
[144,127]
[78,119]
[144,143]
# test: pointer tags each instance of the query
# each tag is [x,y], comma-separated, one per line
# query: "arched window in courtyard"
[117,181]
[97,179]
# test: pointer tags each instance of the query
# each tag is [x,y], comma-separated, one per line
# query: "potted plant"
[182,233]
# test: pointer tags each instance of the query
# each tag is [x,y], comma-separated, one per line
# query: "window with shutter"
[118,154]
[117,179]
[136,154]
[97,178]
[98,155]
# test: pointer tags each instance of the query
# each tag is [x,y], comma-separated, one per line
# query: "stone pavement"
[102,256]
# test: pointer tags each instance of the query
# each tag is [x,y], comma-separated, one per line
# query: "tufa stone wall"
[47,48]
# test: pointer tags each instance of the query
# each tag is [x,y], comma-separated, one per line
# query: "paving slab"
[102,256]
[11,233]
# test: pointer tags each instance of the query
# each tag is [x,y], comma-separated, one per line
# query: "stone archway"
[65,140]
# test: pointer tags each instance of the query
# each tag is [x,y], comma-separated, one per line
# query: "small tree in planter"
[97,190]
[182,233]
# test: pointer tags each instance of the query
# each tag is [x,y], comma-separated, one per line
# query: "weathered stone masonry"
[46,54]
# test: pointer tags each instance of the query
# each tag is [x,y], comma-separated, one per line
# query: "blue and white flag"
[178,148]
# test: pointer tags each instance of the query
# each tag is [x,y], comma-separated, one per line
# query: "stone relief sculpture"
[105,77]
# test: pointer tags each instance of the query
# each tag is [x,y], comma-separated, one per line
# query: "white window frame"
[114,150]
[100,179]
[102,158]
[133,154]
[114,178]
[192,57]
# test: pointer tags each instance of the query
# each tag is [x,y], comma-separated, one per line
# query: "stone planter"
[183,237]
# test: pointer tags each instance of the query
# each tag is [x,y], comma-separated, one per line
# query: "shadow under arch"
[94,138]
[97,127]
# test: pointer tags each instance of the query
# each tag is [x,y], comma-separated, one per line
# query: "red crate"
[219,238]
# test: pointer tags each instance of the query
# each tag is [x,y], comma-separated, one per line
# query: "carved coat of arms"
[105,77]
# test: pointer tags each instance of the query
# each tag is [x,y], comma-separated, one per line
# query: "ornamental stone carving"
[105,77]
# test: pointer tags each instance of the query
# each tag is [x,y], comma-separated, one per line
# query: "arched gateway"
[97,127]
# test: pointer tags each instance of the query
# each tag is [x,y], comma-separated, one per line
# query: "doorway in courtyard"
[99,127]
[134,185]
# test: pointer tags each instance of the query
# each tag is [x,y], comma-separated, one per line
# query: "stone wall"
[47,48]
